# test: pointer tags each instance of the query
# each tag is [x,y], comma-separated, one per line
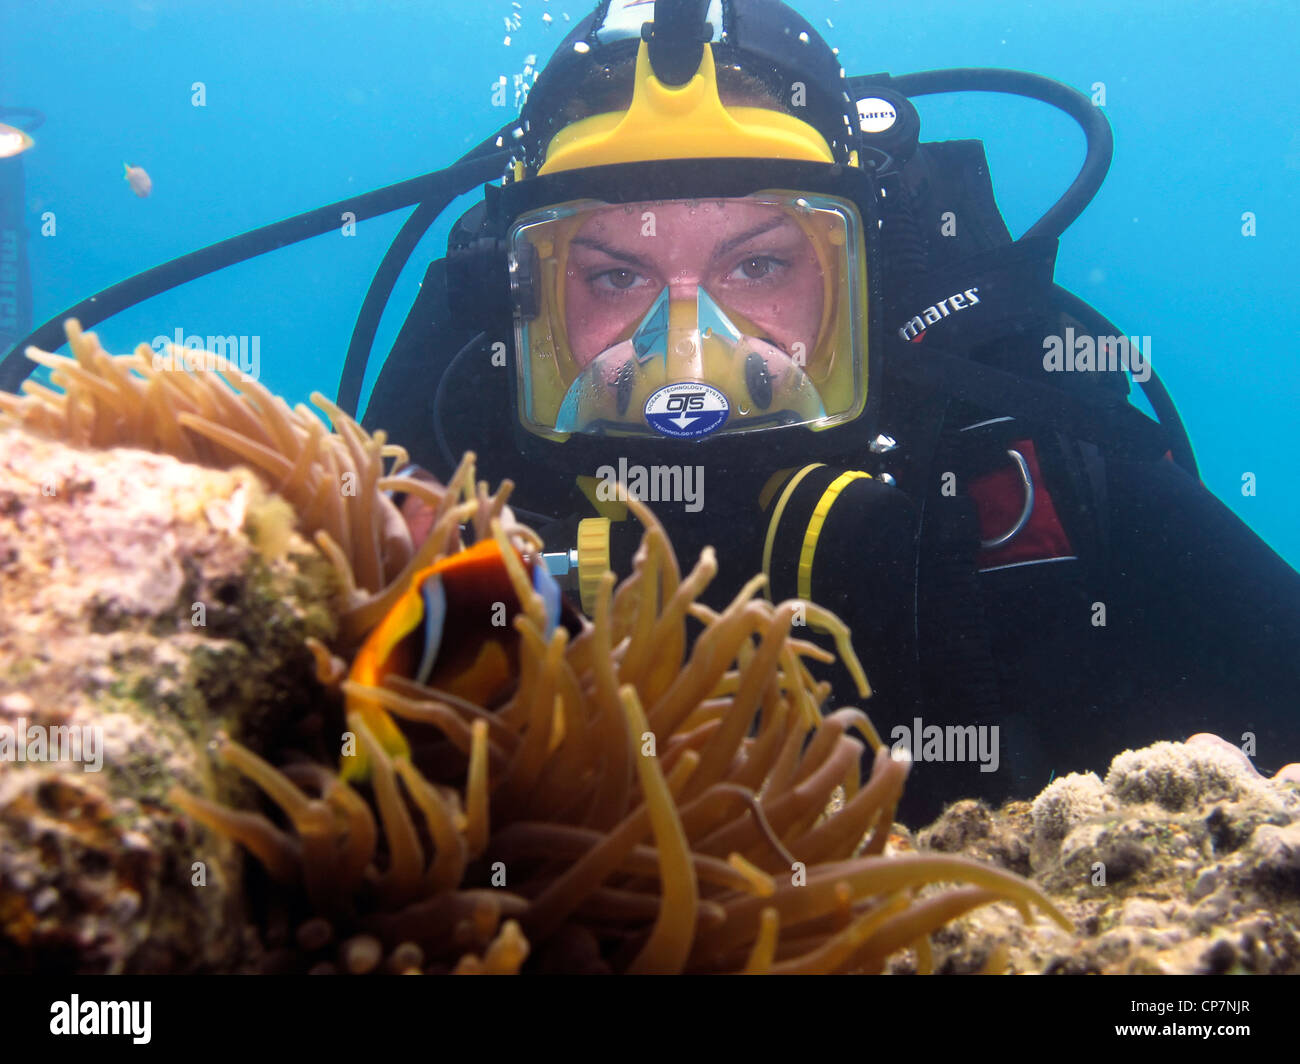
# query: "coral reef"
[645,809]
[643,800]
[143,604]
[1184,860]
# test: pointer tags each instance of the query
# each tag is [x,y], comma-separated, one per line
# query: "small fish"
[13,141]
[140,182]
[451,629]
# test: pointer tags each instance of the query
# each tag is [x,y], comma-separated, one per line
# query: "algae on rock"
[154,603]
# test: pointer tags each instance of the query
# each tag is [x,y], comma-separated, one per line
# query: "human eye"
[620,279]
[757,268]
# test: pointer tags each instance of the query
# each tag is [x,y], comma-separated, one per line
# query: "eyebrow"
[721,249]
[736,241]
[613,253]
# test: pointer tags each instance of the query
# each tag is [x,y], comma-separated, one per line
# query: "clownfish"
[451,629]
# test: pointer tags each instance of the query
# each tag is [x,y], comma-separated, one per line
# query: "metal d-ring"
[1023,519]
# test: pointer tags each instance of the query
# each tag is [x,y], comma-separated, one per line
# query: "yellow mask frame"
[835,361]
[682,122]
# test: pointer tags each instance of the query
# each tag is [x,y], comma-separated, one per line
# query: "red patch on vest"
[999,500]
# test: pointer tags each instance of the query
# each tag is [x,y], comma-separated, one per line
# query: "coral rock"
[137,615]
[1184,860]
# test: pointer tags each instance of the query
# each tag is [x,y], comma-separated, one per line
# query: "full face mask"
[690,318]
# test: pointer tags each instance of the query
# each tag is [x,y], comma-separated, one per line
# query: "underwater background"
[307,102]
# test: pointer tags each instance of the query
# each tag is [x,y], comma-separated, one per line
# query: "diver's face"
[754,260]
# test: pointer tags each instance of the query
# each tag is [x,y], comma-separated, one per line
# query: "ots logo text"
[682,404]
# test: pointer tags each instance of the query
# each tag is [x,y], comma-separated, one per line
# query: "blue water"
[308,102]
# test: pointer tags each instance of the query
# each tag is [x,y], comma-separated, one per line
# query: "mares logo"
[914,330]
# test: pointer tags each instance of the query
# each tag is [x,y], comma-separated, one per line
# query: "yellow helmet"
[685,266]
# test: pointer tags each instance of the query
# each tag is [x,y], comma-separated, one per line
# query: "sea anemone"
[643,801]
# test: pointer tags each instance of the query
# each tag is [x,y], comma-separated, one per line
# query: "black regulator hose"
[436,189]
[1100,141]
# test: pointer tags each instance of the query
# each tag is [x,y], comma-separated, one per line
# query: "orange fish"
[140,182]
[451,629]
[13,141]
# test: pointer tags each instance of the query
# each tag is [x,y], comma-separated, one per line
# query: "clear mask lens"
[691,318]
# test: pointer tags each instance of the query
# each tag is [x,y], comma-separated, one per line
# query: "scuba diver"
[718,265]
[722,276]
